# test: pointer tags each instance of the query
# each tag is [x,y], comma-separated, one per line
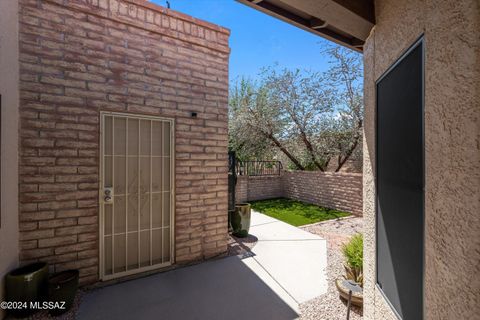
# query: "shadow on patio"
[221,289]
[286,267]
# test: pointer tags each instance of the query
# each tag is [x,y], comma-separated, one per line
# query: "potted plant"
[353,278]
[240,219]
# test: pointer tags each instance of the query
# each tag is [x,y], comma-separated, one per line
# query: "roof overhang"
[346,22]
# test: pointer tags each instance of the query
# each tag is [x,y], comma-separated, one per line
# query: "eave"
[346,22]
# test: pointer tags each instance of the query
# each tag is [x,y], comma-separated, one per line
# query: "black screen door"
[400,182]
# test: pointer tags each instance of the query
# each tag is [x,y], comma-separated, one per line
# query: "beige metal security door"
[136,194]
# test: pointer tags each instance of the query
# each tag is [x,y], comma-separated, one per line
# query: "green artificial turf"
[294,212]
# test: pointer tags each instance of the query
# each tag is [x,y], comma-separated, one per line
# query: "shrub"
[353,252]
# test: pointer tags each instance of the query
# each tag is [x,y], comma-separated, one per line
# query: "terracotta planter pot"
[357,297]
[241,220]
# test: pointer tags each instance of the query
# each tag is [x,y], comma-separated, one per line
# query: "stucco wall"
[9,139]
[452,142]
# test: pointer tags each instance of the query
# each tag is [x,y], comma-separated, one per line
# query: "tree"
[255,122]
[310,117]
[345,74]
[304,100]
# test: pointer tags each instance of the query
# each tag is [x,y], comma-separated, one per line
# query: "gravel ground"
[329,306]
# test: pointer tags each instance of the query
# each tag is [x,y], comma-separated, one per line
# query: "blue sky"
[257,40]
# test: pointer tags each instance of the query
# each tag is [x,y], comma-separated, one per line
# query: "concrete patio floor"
[285,268]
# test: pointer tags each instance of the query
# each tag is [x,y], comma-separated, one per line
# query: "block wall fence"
[341,190]
[80,57]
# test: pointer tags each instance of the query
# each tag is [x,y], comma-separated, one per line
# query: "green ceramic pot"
[241,220]
[62,288]
[26,284]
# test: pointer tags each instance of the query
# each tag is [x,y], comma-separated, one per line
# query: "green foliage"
[353,253]
[251,117]
[294,212]
[305,119]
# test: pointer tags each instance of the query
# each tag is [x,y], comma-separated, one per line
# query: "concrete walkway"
[286,267]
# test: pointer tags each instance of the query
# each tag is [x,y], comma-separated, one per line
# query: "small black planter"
[26,285]
[62,288]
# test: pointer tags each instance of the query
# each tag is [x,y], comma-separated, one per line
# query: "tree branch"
[285,151]
[353,145]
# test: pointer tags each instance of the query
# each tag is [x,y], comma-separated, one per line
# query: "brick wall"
[79,57]
[342,191]
[251,188]
[241,189]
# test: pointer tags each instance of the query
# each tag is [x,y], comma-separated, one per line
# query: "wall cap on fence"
[324,173]
[275,176]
